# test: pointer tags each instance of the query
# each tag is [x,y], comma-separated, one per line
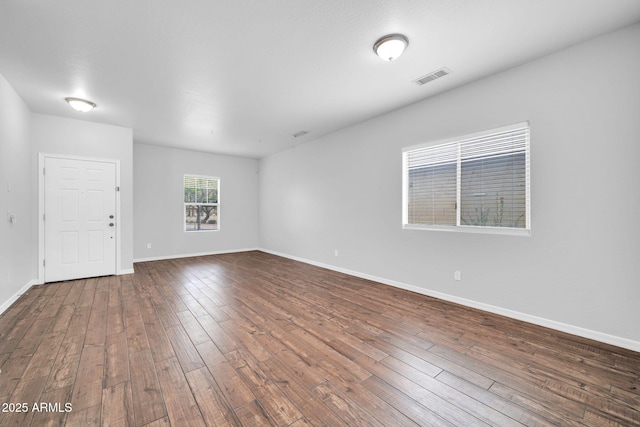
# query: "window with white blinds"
[201,202]
[477,182]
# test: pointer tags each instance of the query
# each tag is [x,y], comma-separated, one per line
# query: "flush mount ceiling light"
[390,47]
[80,104]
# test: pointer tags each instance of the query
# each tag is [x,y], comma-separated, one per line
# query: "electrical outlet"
[335,252]
[457,275]
[148,245]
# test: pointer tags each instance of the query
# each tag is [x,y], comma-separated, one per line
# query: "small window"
[201,203]
[476,183]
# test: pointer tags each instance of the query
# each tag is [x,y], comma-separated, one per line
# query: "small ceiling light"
[80,104]
[390,47]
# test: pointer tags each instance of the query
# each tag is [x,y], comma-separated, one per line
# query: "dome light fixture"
[391,46]
[79,104]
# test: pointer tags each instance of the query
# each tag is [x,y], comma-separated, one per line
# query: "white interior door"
[79,219]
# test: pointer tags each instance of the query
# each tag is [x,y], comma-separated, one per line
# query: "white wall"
[159,198]
[578,271]
[57,135]
[17,264]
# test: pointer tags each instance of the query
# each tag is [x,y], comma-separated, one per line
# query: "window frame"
[184,204]
[459,227]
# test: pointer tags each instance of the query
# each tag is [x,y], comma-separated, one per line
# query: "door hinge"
[44,262]
[117,188]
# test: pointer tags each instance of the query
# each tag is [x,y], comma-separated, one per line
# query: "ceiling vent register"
[432,76]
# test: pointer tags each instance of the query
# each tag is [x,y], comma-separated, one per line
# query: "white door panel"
[80,224]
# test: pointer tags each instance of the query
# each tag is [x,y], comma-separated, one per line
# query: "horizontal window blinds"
[495,145]
[201,210]
[430,156]
[493,179]
[480,180]
[199,189]
[432,185]
[432,195]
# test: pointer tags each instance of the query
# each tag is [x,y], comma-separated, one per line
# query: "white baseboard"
[126,271]
[160,258]
[17,295]
[552,324]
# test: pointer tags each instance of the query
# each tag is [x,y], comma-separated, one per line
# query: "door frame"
[41,224]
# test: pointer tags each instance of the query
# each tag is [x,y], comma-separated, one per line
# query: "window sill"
[471,229]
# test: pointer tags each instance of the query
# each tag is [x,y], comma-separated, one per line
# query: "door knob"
[111,224]
[111,216]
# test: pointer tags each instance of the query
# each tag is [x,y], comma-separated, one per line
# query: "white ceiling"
[241,77]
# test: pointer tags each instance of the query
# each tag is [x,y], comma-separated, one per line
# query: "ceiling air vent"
[432,76]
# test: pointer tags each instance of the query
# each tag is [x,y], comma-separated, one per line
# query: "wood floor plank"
[136,333]
[65,367]
[116,360]
[218,335]
[343,408]
[193,306]
[297,388]
[32,338]
[196,333]
[51,308]
[159,343]
[478,409]
[628,395]
[12,371]
[58,406]
[231,385]
[87,391]
[63,317]
[165,313]
[89,417]
[275,403]
[13,333]
[413,410]
[423,396]
[39,303]
[97,325]
[331,361]
[252,415]
[117,406]
[74,293]
[210,399]
[42,360]
[537,400]
[162,422]
[88,292]
[148,402]
[251,339]
[181,405]
[184,349]
[245,338]
[26,393]
[486,397]
[377,407]
[296,367]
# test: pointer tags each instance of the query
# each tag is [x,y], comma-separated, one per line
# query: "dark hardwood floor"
[253,339]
